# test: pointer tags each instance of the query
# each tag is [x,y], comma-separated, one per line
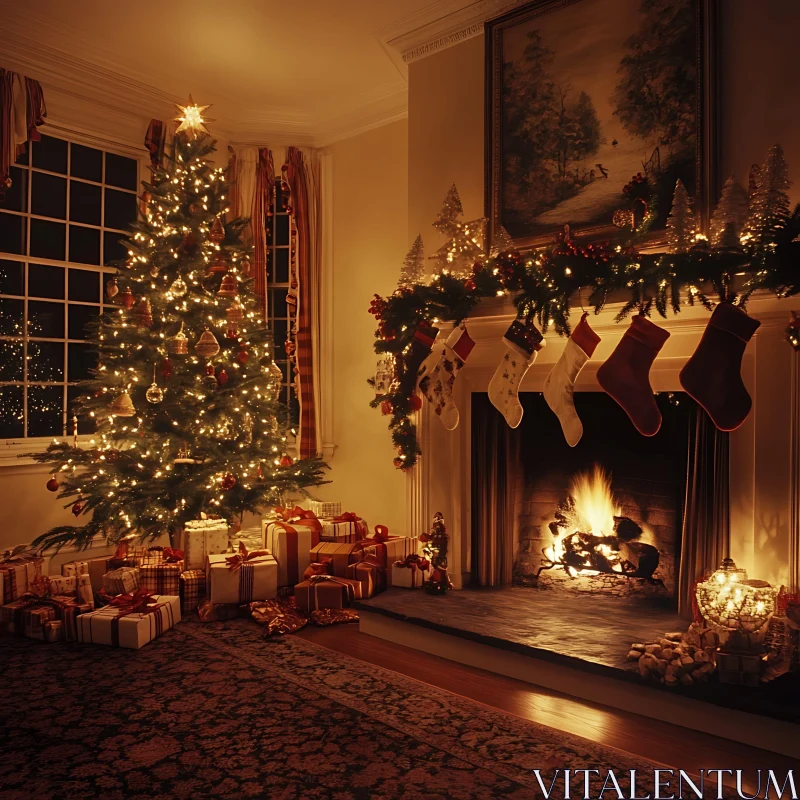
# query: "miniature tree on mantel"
[185,396]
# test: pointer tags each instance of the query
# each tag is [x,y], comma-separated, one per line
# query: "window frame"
[12,447]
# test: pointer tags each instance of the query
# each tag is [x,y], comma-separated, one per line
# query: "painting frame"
[706,147]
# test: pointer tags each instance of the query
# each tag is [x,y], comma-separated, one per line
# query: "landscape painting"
[593,111]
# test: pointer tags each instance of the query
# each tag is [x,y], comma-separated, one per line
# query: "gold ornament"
[191,118]
[154,271]
[178,288]
[178,345]
[112,290]
[217,231]
[122,405]
[141,313]
[207,345]
[228,287]
[154,394]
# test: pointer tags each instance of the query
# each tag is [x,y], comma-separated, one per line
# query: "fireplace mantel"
[765,484]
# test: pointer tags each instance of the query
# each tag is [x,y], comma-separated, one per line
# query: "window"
[61,222]
[281,234]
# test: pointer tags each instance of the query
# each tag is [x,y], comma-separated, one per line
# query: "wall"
[370,196]
[757,53]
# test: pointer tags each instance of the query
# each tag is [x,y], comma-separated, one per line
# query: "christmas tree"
[466,241]
[729,216]
[185,395]
[769,202]
[413,266]
[680,223]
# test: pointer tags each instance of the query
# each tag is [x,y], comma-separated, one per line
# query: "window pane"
[12,277]
[48,239]
[121,171]
[48,195]
[45,361]
[85,423]
[120,209]
[279,328]
[284,365]
[86,163]
[45,320]
[12,233]
[84,285]
[12,313]
[50,154]
[84,203]
[45,411]
[113,250]
[81,359]
[11,412]
[16,198]
[84,245]
[278,304]
[79,318]
[282,229]
[281,265]
[11,360]
[45,281]
[22,158]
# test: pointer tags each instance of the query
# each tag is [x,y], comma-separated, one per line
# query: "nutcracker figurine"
[435,550]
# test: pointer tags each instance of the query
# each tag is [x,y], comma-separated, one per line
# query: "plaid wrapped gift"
[387,548]
[26,618]
[370,574]
[242,577]
[201,538]
[193,589]
[130,621]
[325,508]
[409,573]
[19,568]
[290,540]
[340,555]
[326,591]
[124,580]
[347,527]
[73,568]
[161,577]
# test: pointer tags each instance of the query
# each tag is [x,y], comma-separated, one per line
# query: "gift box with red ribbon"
[291,538]
[193,589]
[326,591]
[409,572]
[130,620]
[18,569]
[29,616]
[370,574]
[242,577]
[387,548]
[338,554]
[317,568]
[161,574]
[201,538]
[346,527]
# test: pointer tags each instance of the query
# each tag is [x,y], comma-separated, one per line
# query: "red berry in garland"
[415,402]
[399,462]
[386,407]
[511,269]
[52,484]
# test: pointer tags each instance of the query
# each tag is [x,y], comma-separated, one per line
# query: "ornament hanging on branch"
[216,232]
[229,286]
[178,345]
[77,508]
[126,298]
[52,484]
[154,394]
[207,345]
[112,289]
[122,405]
[166,368]
[141,313]
[178,288]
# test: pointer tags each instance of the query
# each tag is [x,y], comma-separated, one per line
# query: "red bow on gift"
[381,534]
[348,516]
[141,602]
[298,514]
[414,561]
[171,556]
[235,561]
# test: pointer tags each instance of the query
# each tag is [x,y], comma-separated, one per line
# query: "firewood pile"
[678,658]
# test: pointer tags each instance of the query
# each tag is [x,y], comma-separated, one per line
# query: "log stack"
[678,658]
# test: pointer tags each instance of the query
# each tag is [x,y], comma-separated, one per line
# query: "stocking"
[560,383]
[626,374]
[522,341]
[438,379]
[712,376]
[420,349]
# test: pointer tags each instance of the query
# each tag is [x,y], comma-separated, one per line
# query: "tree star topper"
[191,118]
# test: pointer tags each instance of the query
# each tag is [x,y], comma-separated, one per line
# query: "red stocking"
[712,376]
[626,374]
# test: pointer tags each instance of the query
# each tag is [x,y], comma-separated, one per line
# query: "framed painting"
[594,109]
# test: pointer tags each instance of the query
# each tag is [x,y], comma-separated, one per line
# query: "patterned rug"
[214,710]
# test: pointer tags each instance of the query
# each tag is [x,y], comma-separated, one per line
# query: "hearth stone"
[602,584]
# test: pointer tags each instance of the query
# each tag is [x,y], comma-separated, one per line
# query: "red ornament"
[399,462]
[126,298]
[77,508]
[242,356]
[166,367]
[286,461]
[228,481]
[52,484]
[415,402]
[231,333]
[209,369]
[222,377]
[386,407]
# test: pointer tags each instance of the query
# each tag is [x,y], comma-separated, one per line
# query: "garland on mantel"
[542,283]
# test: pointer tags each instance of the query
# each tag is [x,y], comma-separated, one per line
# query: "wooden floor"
[672,745]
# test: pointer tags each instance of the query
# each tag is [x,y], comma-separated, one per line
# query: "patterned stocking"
[437,381]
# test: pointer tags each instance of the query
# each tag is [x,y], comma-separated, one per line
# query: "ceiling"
[311,70]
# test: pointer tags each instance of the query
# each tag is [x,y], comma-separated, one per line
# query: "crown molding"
[441,25]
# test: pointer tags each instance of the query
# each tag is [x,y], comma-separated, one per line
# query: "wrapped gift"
[317,568]
[338,554]
[345,527]
[201,538]
[65,586]
[409,573]
[291,541]
[161,577]
[242,577]
[124,580]
[25,617]
[370,574]
[53,631]
[325,508]
[387,548]
[251,538]
[131,620]
[326,591]
[97,568]
[193,589]
[74,568]
[19,568]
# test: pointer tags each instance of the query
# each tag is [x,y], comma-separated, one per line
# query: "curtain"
[264,183]
[23,110]
[305,208]
[495,453]
[706,514]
